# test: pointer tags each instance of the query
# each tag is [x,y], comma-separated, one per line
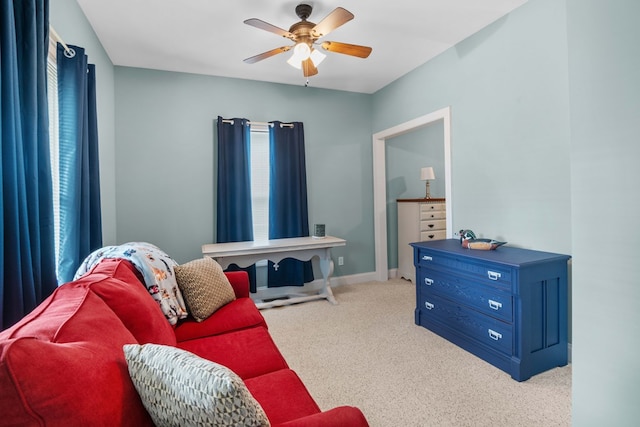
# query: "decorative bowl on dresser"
[419,220]
[508,306]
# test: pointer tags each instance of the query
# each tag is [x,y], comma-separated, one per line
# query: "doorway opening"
[379,181]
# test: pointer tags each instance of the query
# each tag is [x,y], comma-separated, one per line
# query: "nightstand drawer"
[429,215]
[432,225]
[433,235]
[428,207]
[491,332]
[486,299]
[494,274]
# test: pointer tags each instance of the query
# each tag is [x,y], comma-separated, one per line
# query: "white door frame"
[380,181]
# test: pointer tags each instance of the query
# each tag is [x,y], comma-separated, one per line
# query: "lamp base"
[428,194]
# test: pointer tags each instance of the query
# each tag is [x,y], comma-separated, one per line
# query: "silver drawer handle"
[427,258]
[428,281]
[493,275]
[495,304]
[494,335]
[428,305]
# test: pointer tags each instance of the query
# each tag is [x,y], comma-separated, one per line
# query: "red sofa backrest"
[115,281]
[63,365]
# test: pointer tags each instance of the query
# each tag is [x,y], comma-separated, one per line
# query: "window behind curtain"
[52,94]
[260,182]
[260,193]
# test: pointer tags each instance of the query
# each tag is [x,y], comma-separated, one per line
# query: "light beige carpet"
[367,352]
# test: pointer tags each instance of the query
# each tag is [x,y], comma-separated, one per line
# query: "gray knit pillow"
[204,287]
[178,388]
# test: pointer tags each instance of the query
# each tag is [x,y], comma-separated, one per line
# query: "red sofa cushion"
[115,281]
[269,389]
[236,315]
[341,416]
[248,353]
[63,365]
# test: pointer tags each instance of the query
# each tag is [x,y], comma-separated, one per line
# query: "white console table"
[245,254]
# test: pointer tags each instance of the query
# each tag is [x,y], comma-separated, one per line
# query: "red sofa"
[63,364]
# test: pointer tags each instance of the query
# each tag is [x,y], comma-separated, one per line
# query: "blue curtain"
[27,257]
[288,214]
[79,173]
[234,222]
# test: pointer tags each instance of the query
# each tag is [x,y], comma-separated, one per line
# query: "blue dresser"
[507,306]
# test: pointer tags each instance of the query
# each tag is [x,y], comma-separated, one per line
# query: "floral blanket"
[156,268]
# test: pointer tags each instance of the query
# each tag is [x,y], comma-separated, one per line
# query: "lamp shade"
[427,173]
[301,52]
[317,57]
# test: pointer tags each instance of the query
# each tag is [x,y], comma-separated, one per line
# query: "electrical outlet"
[340,260]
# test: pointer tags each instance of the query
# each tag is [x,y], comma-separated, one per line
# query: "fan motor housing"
[304,11]
[302,29]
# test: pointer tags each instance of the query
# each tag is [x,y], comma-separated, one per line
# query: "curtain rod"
[282,125]
[70,52]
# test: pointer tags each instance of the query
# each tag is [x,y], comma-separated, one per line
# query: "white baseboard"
[264,293]
[353,279]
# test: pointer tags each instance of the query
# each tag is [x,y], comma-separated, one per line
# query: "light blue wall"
[604,71]
[72,26]
[165,159]
[508,91]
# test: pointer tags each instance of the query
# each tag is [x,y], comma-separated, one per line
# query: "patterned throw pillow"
[179,388]
[204,286]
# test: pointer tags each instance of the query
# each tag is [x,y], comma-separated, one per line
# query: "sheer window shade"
[52,93]
[260,181]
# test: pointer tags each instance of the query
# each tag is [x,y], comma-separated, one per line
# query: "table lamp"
[427,174]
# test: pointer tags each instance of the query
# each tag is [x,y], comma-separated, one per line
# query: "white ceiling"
[209,36]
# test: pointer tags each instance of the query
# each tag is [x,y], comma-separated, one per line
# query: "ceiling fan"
[305,35]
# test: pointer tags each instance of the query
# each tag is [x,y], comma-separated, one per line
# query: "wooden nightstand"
[419,220]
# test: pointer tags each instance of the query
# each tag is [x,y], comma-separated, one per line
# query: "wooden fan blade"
[267,54]
[308,68]
[258,23]
[338,17]
[347,49]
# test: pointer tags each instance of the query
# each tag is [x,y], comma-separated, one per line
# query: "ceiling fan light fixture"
[295,62]
[317,57]
[302,51]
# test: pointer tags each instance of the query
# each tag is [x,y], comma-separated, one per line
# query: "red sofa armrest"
[240,282]
[336,417]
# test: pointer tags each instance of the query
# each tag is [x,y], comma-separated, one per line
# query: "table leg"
[326,267]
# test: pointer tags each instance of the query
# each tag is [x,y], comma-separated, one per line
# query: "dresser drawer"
[487,330]
[428,207]
[498,275]
[432,225]
[433,235]
[486,299]
[429,215]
